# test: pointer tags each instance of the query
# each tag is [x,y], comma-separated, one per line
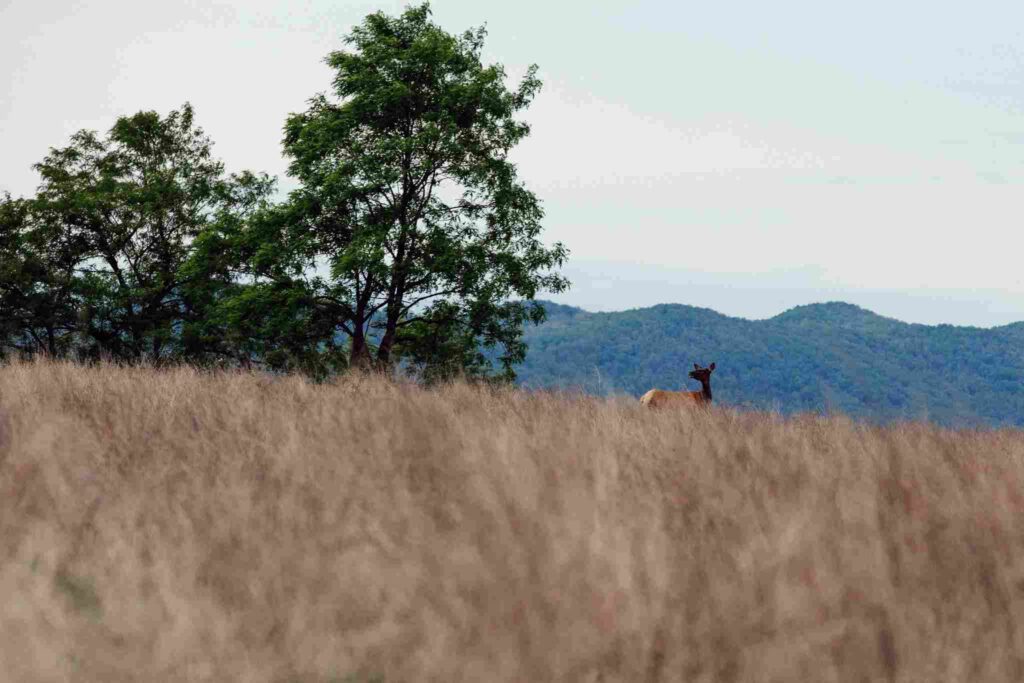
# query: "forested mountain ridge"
[820,357]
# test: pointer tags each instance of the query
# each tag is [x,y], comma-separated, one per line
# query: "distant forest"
[819,358]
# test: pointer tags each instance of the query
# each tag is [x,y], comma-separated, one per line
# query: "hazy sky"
[743,156]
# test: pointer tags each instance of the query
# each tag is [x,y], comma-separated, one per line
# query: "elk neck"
[705,390]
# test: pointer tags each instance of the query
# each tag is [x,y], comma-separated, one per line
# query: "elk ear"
[711,367]
[696,367]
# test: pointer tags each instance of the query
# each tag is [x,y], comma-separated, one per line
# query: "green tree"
[214,290]
[411,235]
[129,207]
[259,301]
[38,298]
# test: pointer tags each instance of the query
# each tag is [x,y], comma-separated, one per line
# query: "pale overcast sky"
[743,156]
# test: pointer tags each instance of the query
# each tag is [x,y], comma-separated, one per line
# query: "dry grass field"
[183,526]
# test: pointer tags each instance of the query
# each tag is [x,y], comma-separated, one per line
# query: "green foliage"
[263,301]
[38,290]
[408,241]
[449,341]
[97,257]
[410,230]
[812,358]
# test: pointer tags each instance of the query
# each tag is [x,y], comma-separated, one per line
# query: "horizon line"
[779,314]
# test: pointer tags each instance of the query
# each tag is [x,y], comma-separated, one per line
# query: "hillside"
[821,357]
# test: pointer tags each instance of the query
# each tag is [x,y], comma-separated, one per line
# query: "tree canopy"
[94,263]
[410,238]
[38,289]
[411,235]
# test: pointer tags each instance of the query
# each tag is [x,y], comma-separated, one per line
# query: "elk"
[659,398]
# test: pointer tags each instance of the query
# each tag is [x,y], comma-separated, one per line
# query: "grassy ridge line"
[176,525]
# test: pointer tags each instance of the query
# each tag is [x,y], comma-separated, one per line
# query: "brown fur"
[659,398]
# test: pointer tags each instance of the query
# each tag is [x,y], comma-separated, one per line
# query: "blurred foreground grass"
[182,526]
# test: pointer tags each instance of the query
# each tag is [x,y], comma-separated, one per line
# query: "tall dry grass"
[173,526]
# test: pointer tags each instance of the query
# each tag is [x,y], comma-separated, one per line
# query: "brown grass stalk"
[184,526]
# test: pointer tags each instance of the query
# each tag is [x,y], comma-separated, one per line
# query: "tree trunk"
[395,298]
[397,293]
[359,357]
[387,342]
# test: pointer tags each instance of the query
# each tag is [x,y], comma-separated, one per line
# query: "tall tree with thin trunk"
[411,234]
